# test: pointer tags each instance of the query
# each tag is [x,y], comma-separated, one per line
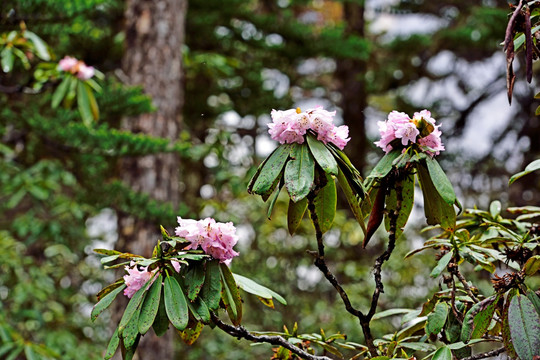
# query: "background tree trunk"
[350,74]
[155,32]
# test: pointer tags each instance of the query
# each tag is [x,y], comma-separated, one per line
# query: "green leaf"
[452,329]
[441,182]
[211,290]
[295,213]
[30,353]
[535,300]
[437,210]
[194,280]
[200,311]
[443,353]
[407,193]
[161,323]
[322,155]
[505,328]
[61,91]
[92,101]
[524,327]
[268,174]
[7,59]
[495,208]
[189,336]
[384,165]
[39,45]
[441,265]
[150,306]
[113,345]
[437,319]
[535,165]
[325,204]
[478,318]
[133,307]
[105,302]
[353,200]
[176,303]
[230,295]
[254,288]
[532,265]
[131,332]
[390,312]
[83,103]
[274,199]
[299,173]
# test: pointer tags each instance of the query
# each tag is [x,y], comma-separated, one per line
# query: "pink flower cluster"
[290,126]
[216,239]
[76,67]
[421,129]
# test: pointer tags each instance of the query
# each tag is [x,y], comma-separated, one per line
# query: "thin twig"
[457,273]
[453,302]
[486,354]
[242,333]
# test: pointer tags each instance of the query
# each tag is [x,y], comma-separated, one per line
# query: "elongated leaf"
[150,306]
[299,172]
[441,182]
[230,295]
[443,353]
[113,345]
[7,59]
[211,290]
[189,336]
[325,204]
[478,318]
[131,331]
[437,319]
[133,307]
[377,213]
[92,101]
[322,155]
[250,286]
[105,302]
[161,322]
[452,329]
[83,103]
[274,199]
[532,265]
[505,331]
[61,91]
[441,265]
[407,194]
[39,45]
[353,200]
[524,327]
[194,280]
[390,312]
[437,210]
[535,300]
[200,311]
[295,213]
[268,175]
[534,166]
[175,303]
[384,165]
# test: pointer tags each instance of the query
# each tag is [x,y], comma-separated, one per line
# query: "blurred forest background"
[187,95]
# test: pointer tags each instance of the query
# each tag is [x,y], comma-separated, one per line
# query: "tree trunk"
[350,74]
[155,32]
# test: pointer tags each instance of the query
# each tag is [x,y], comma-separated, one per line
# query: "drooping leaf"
[377,213]
[230,295]
[524,325]
[295,213]
[150,306]
[437,318]
[440,180]
[268,174]
[452,328]
[535,300]
[250,286]
[322,155]
[84,104]
[299,172]
[274,199]
[325,204]
[211,290]
[190,335]
[437,210]
[384,165]
[133,307]
[194,280]
[39,45]
[443,353]
[349,171]
[200,310]
[407,194]
[94,109]
[61,91]
[441,265]
[390,312]
[113,345]
[353,200]
[505,329]
[7,59]
[533,166]
[161,322]
[131,331]
[175,303]
[478,318]
[105,302]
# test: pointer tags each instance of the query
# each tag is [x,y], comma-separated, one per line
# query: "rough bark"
[350,74]
[153,58]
